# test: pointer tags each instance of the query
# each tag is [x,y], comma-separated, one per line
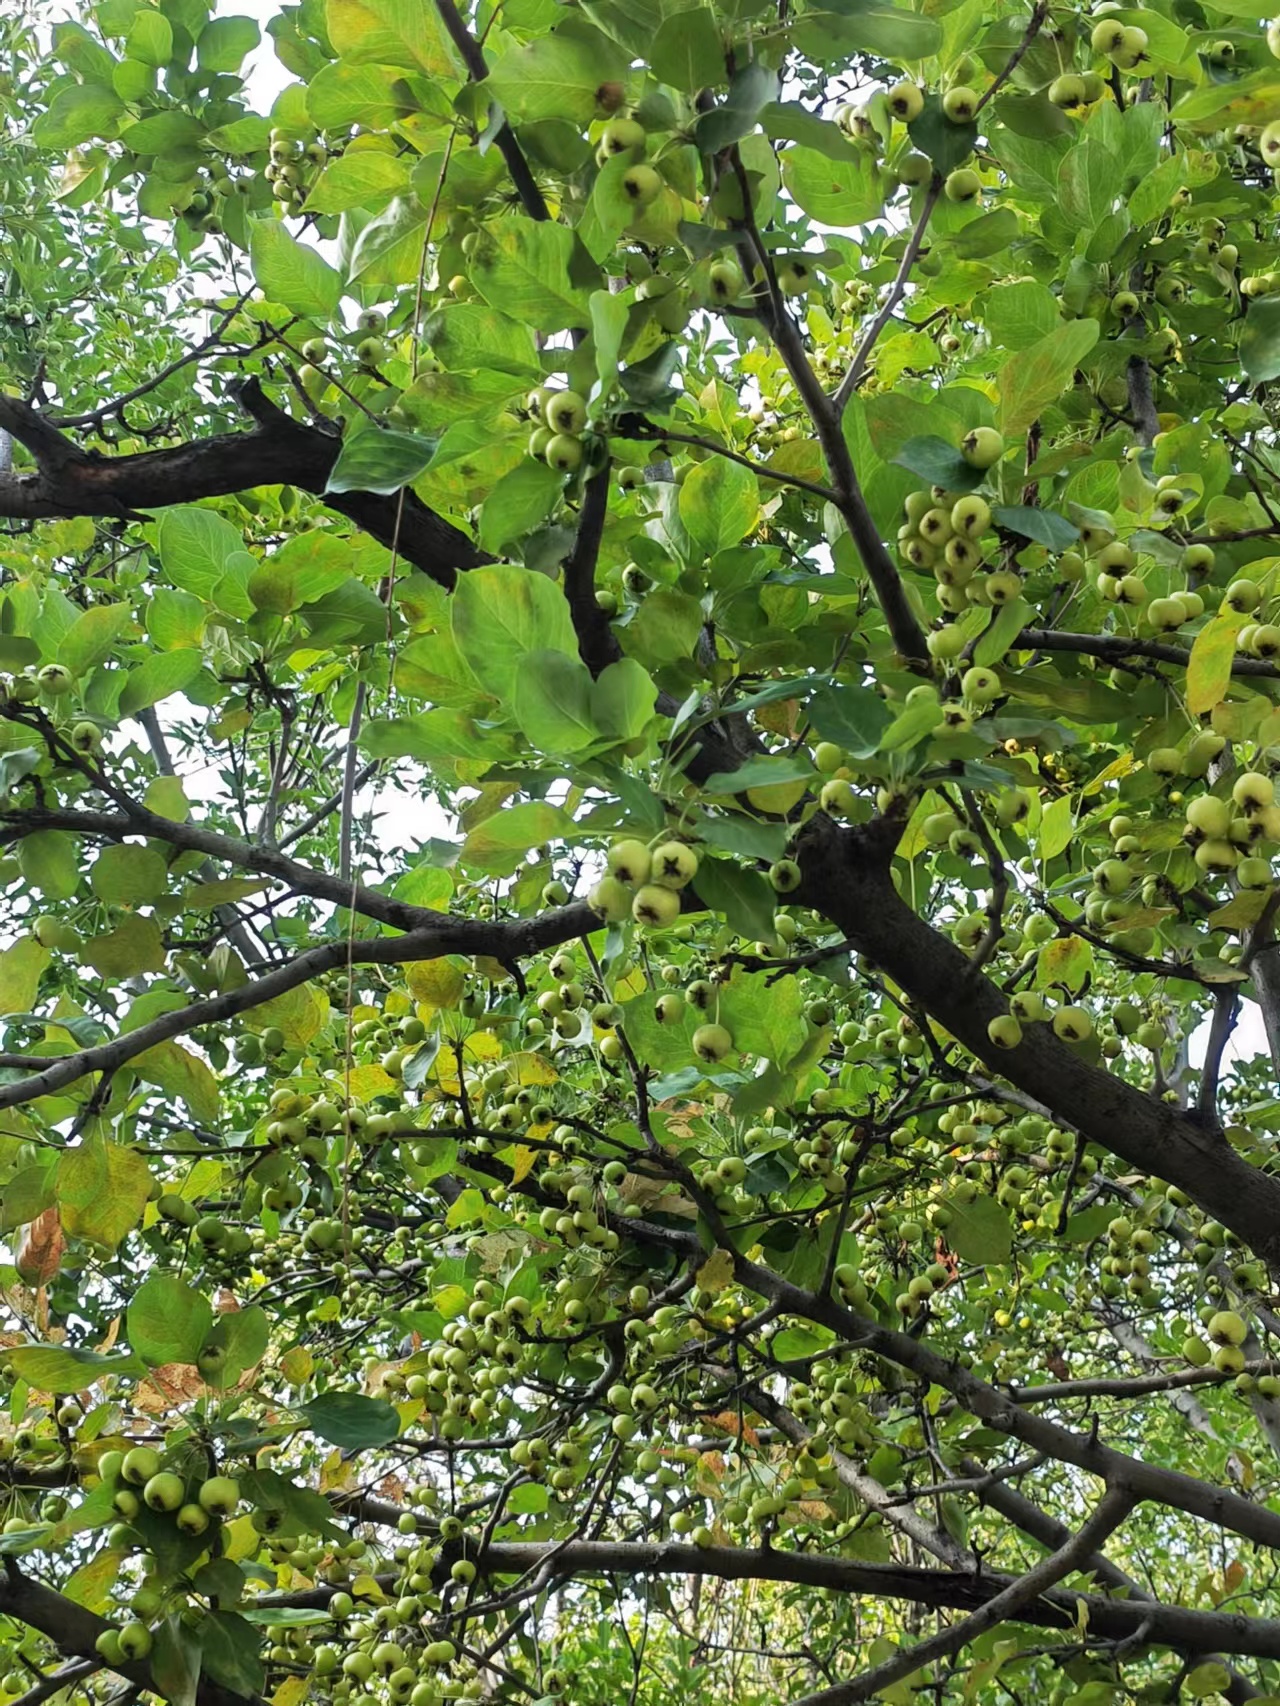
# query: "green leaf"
[175,1661]
[363,178]
[501,614]
[230,1652]
[161,676]
[552,701]
[102,1190]
[719,503]
[390,32]
[948,145]
[60,1369]
[535,271]
[501,841]
[194,545]
[168,1320]
[1045,526]
[350,1420]
[77,115]
[519,502]
[1209,666]
[129,876]
[845,190]
[855,718]
[136,945]
[1057,826]
[623,697]
[150,38]
[742,896]
[376,459]
[769,1023]
[738,114]
[759,773]
[552,76]
[180,1073]
[89,640]
[242,1335]
[291,273]
[979,1231]
[688,51]
[225,42]
[1260,339]
[50,863]
[1033,378]
[938,463]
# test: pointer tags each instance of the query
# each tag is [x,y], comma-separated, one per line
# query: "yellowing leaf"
[532,1069]
[299,1015]
[389,32]
[365,1082]
[438,982]
[523,1163]
[291,1692]
[1209,666]
[716,1272]
[183,1074]
[102,1191]
[20,968]
[777,796]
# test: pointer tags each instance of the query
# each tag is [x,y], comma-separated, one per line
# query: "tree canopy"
[639,992]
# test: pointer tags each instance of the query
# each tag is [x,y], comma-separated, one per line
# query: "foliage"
[637,768]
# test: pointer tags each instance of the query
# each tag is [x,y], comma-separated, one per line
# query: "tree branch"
[71,482]
[1113,1507]
[862,355]
[846,877]
[531,197]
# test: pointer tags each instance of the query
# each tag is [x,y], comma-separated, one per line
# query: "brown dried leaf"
[38,1248]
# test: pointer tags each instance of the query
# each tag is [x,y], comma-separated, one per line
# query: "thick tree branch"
[71,482]
[1113,1507]
[74,1629]
[847,877]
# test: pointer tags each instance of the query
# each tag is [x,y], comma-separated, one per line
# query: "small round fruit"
[655,906]
[565,411]
[724,282]
[56,680]
[219,1495]
[1005,1031]
[960,104]
[621,136]
[1067,92]
[982,448]
[674,865]
[134,1641]
[371,352]
[163,1492]
[641,185]
[563,453]
[611,899]
[630,861]
[140,1464]
[192,1519]
[1107,37]
[963,184]
[1072,1024]
[905,101]
[1228,1328]
[784,874]
[712,1043]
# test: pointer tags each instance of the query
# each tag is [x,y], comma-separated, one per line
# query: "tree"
[637,777]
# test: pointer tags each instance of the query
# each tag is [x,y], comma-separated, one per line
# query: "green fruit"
[641,185]
[960,104]
[963,184]
[621,136]
[55,679]
[563,453]
[219,1495]
[163,1492]
[982,447]
[565,412]
[140,1464]
[712,1043]
[905,101]
[655,906]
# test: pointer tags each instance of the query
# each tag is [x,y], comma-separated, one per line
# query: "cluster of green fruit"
[138,1480]
[556,438]
[643,881]
[370,348]
[292,167]
[626,137]
[53,683]
[1233,828]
